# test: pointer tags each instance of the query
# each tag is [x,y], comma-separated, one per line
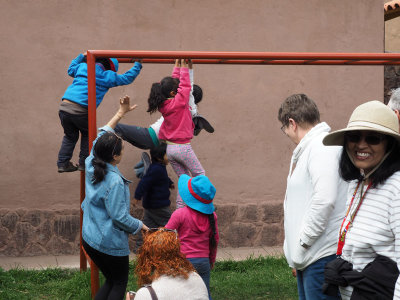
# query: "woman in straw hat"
[196,224]
[369,237]
[163,270]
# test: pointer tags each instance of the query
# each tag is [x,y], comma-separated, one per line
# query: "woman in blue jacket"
[106,209]
[73,111]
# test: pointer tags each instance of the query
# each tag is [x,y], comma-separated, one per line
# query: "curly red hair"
[160,255]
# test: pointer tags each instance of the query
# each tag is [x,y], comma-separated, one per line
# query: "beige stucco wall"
[247,157]
[392,34]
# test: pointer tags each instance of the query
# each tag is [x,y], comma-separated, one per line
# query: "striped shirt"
[376,228]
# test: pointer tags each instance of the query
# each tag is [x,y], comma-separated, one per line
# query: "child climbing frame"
[200,57]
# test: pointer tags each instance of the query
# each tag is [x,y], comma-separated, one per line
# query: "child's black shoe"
[201,123]
[69,167]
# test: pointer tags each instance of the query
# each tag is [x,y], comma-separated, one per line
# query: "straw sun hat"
[372,116]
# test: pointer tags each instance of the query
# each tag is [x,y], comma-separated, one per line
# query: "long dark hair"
[391,164]
[108,145]
[213,242]
[161,91]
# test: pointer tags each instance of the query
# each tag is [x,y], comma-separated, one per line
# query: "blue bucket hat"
[197,192]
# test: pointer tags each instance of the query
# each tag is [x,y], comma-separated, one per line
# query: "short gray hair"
[394,102]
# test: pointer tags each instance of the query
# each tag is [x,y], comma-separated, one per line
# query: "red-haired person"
[162,270]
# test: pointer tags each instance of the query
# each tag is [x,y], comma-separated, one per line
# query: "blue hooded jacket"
[105,79]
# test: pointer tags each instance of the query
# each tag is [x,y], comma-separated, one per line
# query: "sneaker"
[69,167]
[138,169]
[146,162]
[139,172]
[201,123]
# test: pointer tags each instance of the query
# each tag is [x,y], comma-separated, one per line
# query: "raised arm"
[192,104]
[176,71]
[124,107]
[111,79]
[184,85]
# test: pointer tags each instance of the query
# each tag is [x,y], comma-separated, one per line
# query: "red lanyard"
[342,234]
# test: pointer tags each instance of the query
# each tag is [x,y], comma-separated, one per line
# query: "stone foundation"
[40,232]
[392,81]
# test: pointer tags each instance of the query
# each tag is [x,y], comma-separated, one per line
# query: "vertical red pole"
[91,98]
[83,263]
[94,271]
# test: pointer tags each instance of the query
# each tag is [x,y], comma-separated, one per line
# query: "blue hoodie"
[105,79]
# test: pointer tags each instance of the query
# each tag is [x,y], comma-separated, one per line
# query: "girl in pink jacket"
[171,98]
[196,224]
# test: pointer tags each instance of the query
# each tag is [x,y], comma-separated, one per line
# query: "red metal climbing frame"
[201,57]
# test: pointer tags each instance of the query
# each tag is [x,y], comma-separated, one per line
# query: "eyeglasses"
[370,139]
[164,230]
[116,142]
[283,128]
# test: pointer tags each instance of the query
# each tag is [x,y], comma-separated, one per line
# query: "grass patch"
[253,278]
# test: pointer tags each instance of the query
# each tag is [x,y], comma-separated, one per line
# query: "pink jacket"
[178,125]
[194,232]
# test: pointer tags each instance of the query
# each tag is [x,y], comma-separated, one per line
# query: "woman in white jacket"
[315,196]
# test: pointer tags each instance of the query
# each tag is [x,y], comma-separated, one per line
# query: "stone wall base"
[40,232]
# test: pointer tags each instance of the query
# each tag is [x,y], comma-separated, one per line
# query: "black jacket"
[154,187]
[376,281]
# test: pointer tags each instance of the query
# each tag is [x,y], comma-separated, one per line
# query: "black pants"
[115,269]
[73,124]
[135,135]
[153,218]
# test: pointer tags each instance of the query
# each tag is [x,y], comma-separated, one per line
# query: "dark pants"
[115,269]
[135,135]
[153,218]
[202,266]
[73,124]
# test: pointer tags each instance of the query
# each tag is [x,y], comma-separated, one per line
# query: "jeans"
[311,279]
[202,266]
[115,269]
[73,124]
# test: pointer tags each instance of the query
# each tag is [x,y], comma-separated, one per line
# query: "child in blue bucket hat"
[196,224]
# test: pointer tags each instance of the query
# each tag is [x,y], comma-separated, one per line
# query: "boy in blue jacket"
[154,189]
[73,110]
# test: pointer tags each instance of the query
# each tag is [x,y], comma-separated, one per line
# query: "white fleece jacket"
[315,200]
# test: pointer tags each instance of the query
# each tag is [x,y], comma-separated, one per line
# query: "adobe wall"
[246,158]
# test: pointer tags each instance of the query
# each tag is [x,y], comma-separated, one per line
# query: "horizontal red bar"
[269,62]
[244,55]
